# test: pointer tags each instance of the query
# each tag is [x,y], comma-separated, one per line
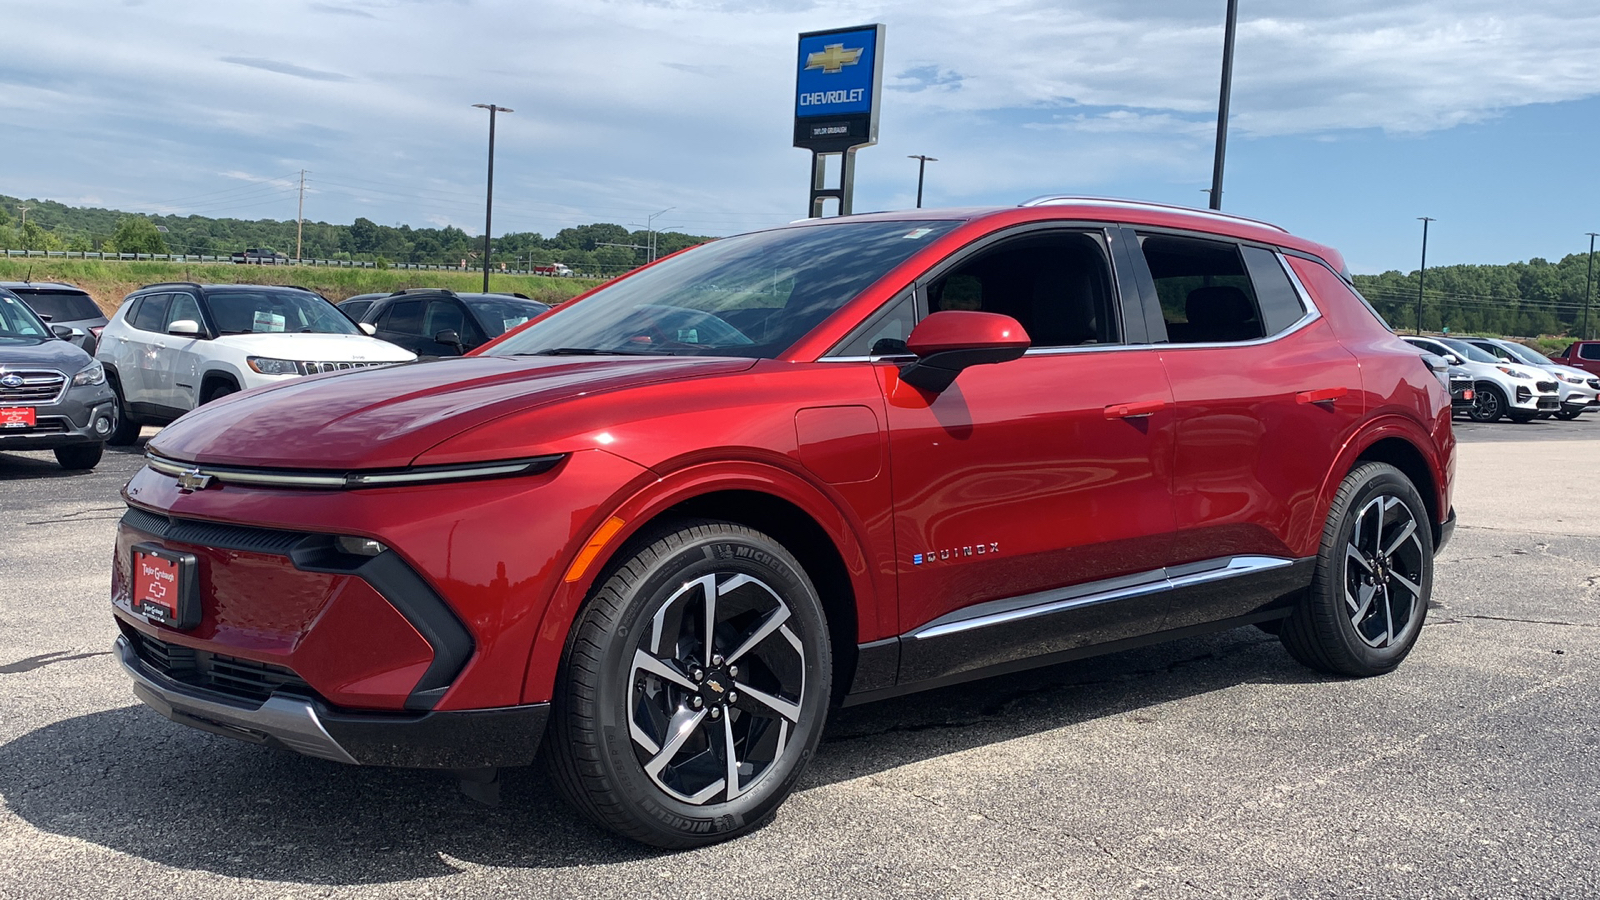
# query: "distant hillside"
[56,226]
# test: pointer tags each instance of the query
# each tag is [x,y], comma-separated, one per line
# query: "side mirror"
[66,332]
[947,342]
[368,328]
[450,338]
[1452,359]
[187,327]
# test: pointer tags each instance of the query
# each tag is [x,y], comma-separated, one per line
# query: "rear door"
[142,353]
[1265,398]
[1030,493]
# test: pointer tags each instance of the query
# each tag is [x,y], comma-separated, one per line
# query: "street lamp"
[922,165]
[1588,287]
[1422,275]
[650,231]
[488,202]
[1222,104]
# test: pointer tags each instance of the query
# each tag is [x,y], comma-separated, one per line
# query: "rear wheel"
[694,688]
[1369,595]
[80,456]
[1488,404]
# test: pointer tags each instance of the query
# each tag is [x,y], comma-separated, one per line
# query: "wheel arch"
[1399,443]
[822,535]
[214,376]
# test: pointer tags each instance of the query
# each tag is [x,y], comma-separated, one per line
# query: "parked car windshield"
[753,295]
[1523,353]
[63,306]
[497,315]
[1467,351]
[18,324]
[254,312]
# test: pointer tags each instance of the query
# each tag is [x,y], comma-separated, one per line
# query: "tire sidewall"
[1478,414]
[1376,480]
[722,549]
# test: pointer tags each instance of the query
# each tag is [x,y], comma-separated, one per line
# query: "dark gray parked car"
[63,304]
[53,396]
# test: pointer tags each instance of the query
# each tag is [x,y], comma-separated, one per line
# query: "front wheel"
[1374,574]
[1488,404]
[1523,418]
[694,687]
[1567,415]
[80,456]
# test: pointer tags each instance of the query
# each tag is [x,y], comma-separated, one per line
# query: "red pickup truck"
[1583,355]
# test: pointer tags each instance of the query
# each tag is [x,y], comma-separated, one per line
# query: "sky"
[1349,119]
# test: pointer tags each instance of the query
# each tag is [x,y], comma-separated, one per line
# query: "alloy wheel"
[716,688]
[1383,568]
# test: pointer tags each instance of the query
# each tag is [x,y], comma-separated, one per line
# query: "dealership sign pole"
[838,79]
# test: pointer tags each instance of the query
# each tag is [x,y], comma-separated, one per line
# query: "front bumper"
[66,423]
[462,739]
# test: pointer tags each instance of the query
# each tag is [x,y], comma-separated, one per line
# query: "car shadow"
[17,467]
[131,781]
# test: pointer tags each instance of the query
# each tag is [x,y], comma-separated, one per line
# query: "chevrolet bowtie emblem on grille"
[191,480]
[833,58]
[12,381]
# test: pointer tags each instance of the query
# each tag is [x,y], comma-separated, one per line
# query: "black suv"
[436,322]
[63,304]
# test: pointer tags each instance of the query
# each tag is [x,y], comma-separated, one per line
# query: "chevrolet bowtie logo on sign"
[833,58]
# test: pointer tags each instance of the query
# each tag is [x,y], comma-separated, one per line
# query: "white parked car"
[1580,390]
[1518,392]
[172,347]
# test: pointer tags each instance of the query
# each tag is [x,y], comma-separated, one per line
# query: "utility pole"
[1588,286]
[488,203]
[650,232]
[922,165]
[1422,275]
[300,216]
[1222,104]
[24,214]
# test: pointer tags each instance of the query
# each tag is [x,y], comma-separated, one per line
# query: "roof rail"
[1061,199]
[423,290]
[189,284]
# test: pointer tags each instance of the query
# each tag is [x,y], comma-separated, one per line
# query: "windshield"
[266,312]
[1523,353]
[63,306]
[753,295]
[18,324]
[1467,351]
[497,315]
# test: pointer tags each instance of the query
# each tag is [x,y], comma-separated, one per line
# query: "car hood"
[49,353]
[311,347]
[387,417]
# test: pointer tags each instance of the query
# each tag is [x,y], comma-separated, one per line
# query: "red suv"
[663,528]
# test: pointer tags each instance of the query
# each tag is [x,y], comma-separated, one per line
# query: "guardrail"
[181,257]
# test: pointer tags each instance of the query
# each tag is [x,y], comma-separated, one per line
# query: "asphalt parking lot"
[1212,767]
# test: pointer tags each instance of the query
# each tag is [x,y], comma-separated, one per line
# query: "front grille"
[316,368]
[212,534]
[224,674]
[1547,387]
[38,386]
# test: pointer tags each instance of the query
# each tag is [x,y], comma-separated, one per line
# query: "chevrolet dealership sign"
[839,75]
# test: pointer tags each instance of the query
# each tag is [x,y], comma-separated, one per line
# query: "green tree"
[136,234]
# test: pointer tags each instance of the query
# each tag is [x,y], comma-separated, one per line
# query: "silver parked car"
[63,304]
[53,396]
[1580,390]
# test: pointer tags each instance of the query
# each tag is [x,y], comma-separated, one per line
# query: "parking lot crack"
[1530,621]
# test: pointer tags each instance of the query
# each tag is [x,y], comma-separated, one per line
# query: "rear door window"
[1219,292]
[1589,351]
[403,317]
[151,314]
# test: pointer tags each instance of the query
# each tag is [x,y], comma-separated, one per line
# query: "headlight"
[1514,373]
[268,366]
[93,373]
[1570,379]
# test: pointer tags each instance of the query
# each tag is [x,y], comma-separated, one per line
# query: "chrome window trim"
[1053,602]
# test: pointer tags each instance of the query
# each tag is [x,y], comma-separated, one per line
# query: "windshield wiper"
[587,351]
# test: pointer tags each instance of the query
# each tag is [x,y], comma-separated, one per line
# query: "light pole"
[922,166]
[650,231]
[1222,104]
[1422,275]
[488,202]
[1588,287]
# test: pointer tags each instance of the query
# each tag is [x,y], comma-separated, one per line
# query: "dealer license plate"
[17,417]
[164,586]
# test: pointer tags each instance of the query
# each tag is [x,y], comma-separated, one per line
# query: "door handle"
[1321,395]
[1135,410]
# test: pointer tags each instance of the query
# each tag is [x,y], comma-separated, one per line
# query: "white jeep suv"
[1518,392]
[172,347]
